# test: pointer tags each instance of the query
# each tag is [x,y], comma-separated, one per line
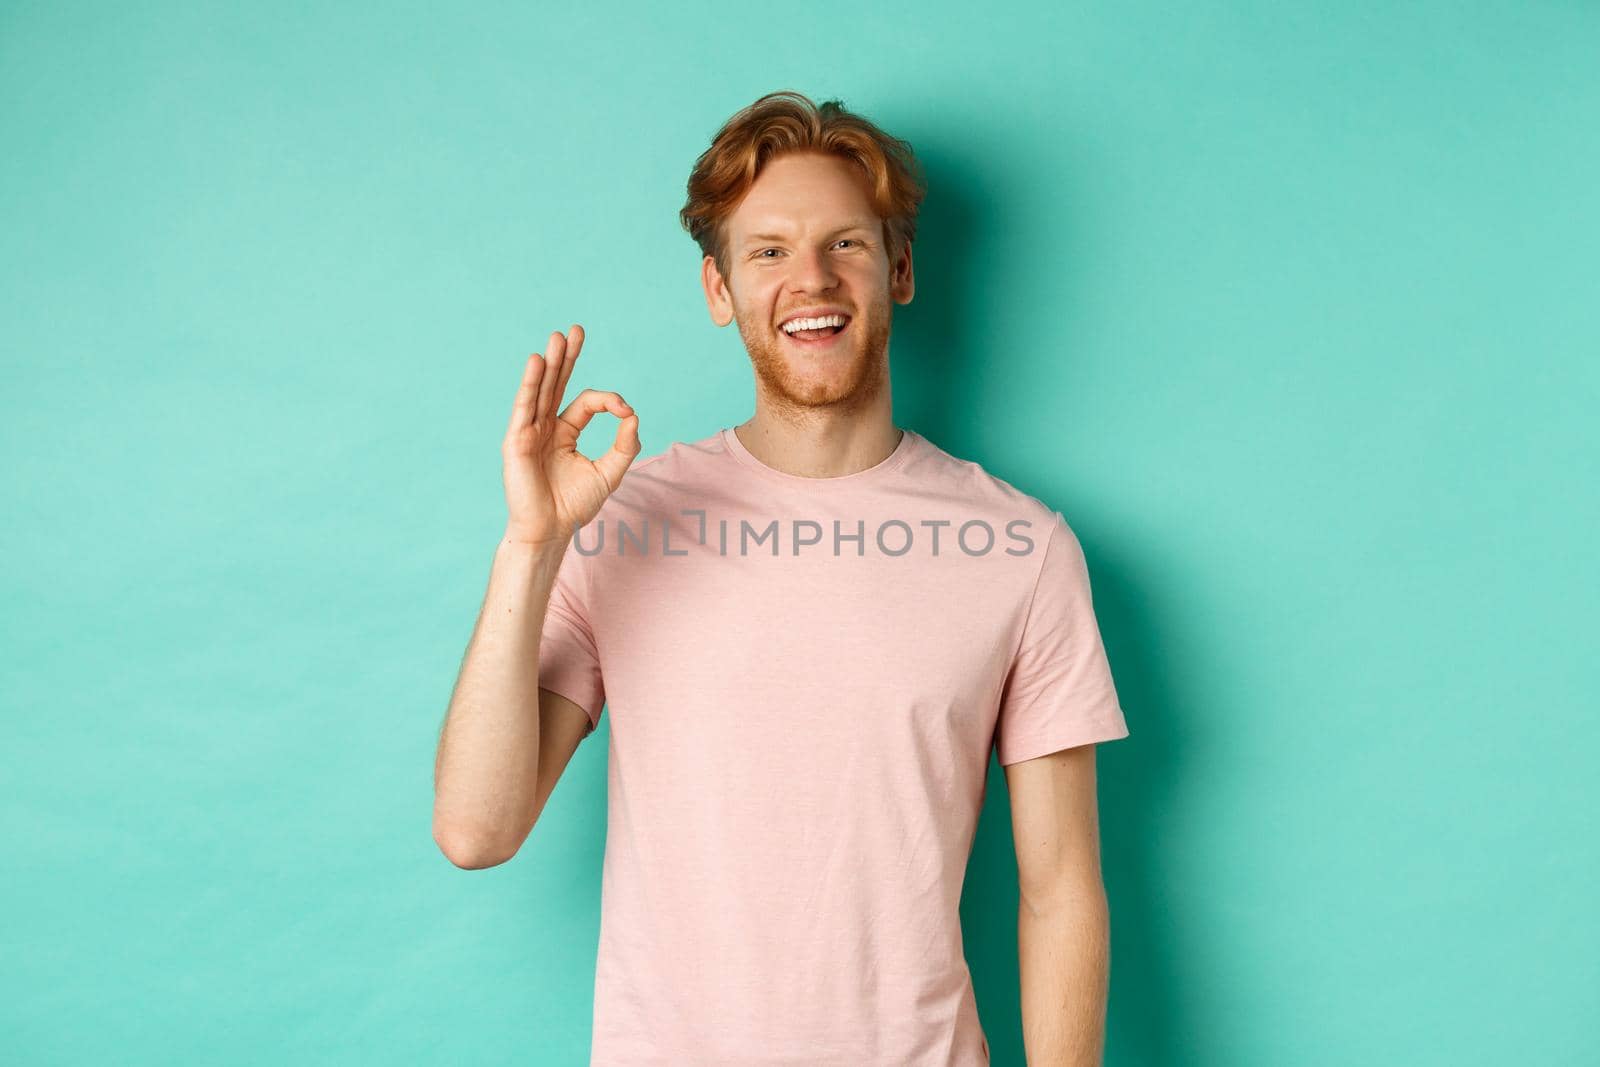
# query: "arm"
[1063,920]
[505,741]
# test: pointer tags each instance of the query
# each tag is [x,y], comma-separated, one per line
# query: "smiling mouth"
[816,338]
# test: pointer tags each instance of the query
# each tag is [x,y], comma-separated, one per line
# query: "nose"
[812,271]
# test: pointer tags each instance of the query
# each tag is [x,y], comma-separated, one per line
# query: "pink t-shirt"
[806,677]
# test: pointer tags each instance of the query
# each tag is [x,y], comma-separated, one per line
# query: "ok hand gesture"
[551,487]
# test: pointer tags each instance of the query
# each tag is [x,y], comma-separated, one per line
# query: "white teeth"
[812,324]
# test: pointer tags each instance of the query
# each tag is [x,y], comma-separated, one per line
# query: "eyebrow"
[857,225]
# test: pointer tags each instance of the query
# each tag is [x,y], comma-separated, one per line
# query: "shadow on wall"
[1150,1020]
[941,345]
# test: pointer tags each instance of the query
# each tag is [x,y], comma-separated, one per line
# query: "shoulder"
[979,491]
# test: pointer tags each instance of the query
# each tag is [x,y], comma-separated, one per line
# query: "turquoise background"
[1291,309]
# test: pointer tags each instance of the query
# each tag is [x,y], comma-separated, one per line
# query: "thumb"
[614,464]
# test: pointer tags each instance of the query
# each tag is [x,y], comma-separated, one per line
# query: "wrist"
[514,542]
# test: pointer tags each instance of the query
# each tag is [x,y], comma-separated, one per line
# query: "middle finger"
[574,346]
[555,352]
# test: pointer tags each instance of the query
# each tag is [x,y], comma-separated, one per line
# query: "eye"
[762,254]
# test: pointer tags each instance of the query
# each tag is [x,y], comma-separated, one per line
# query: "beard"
[846,379]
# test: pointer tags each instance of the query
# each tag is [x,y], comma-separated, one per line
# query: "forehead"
[801,192]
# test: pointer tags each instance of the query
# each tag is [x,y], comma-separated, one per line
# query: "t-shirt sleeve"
[569,660]
[1059,692]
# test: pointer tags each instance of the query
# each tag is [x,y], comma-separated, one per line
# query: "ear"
[719,301]
[902,285]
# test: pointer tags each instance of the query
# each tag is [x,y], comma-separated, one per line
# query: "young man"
[811,630]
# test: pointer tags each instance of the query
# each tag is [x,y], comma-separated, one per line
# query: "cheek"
[869,283]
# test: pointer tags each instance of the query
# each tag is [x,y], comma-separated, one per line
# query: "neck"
[820,444]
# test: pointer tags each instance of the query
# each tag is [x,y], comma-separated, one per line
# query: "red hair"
[784,122]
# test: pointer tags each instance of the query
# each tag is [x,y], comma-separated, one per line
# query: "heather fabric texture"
[800,742]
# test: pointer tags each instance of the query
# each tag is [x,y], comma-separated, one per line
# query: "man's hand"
[551,487]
